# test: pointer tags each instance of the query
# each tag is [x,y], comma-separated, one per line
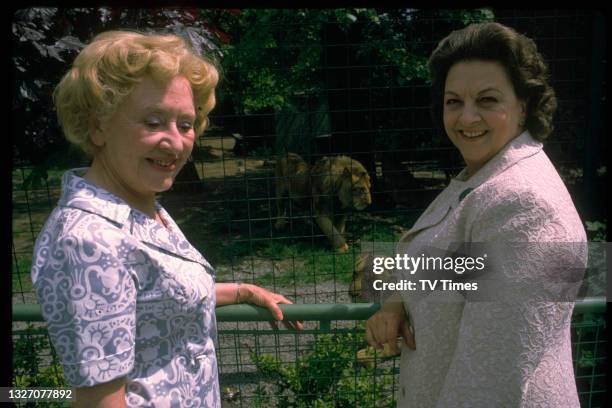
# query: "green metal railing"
[252,358]
[323,313]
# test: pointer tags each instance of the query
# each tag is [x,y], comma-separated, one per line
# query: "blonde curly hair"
[114,62]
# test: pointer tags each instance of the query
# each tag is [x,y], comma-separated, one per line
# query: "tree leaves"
[46,40]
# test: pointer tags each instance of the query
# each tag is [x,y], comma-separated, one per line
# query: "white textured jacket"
[510,348]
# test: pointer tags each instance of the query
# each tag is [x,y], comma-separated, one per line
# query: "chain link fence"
[334,82]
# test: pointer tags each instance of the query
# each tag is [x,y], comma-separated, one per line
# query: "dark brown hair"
[519,56]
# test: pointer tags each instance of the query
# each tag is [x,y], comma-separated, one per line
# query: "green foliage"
[29,368]
[55,162]
[270,58]
[282,61]
[275,56]
[400,40]
[46,40]
[467,17]
[278,54]
[35,179]
[596,231]
[586,359]
[325,377]
[28,351]
[586,335]
[21,280]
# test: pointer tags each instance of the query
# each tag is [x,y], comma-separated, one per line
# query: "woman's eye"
[488,99]
[153,122]
[185,126]
[451,101]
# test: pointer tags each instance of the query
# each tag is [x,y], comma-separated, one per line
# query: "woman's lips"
[473,134]
[168,165]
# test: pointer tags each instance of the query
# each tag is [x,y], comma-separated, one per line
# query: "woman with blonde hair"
[129,302]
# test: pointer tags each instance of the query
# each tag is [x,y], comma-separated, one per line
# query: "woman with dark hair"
[506,343]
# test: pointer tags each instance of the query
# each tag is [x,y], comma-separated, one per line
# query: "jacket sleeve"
[513,347]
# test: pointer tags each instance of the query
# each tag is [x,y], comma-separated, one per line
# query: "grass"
[290,261]
[310,266]
[21,281]
[29,212]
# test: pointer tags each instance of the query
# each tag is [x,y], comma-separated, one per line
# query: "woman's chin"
[161,186]
[165,187]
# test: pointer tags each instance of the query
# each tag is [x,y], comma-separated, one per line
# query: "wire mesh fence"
[590,359]
[323,365]
[320,84]
[364,106]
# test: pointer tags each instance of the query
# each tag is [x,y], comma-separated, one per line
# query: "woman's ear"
[96,133]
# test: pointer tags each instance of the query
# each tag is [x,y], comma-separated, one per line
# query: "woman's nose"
[469,114]
[172,140]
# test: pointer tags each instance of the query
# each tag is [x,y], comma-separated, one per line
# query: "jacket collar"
[80,193]
[517,149]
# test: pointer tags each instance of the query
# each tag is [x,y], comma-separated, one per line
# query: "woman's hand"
[386,325]
[247,293]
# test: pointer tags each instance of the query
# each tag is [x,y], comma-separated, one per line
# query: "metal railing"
[252,359]
[323,313]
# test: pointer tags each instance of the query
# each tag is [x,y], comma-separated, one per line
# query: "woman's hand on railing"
[247,293]
[386,325]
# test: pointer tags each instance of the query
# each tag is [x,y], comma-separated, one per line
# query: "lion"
[330,178]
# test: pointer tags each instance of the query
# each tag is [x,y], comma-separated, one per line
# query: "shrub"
[326,376]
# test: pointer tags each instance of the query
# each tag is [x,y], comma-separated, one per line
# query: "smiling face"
[481,110]
[144,144]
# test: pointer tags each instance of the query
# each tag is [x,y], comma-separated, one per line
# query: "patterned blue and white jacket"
[124,296]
